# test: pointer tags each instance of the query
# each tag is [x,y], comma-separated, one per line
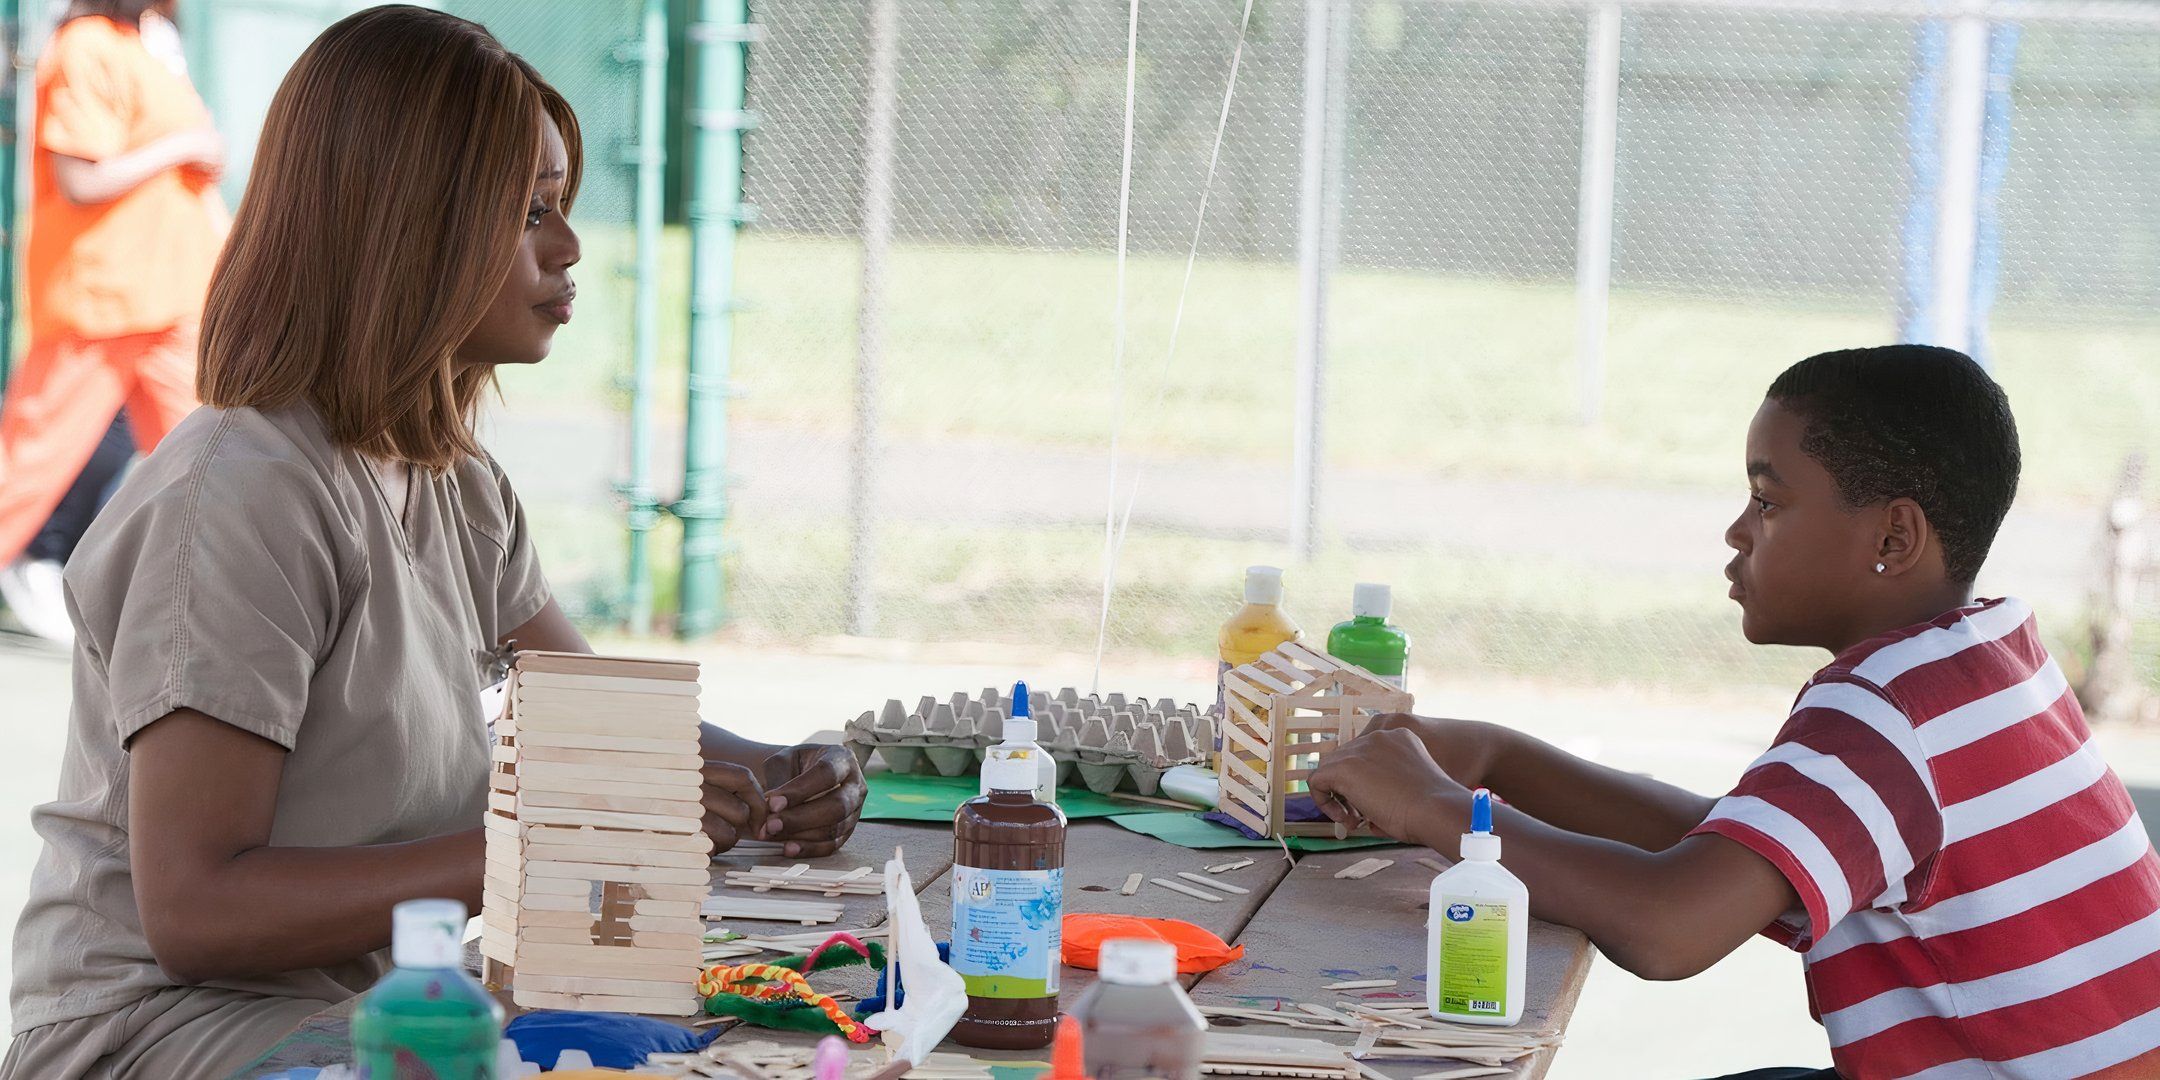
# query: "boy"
[1932,828]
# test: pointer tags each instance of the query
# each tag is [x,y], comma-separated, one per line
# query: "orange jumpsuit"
[115,289]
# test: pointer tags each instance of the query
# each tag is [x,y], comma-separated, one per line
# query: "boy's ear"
[1905,536]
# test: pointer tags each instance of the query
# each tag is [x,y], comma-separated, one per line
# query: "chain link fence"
[1767,169]
[565,438]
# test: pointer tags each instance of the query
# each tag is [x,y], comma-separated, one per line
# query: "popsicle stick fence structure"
[1285,712]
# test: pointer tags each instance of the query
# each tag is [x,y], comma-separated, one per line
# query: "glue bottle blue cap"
[1020,706]
[1479,844]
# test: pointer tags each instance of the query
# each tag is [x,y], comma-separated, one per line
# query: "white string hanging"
[1116,525]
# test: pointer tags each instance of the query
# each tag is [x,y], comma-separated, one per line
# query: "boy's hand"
[1464,749]
[1387,777]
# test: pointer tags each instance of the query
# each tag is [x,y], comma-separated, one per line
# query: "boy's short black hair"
[1913,422]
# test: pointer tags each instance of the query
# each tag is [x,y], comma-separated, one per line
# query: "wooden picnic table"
[1301,926]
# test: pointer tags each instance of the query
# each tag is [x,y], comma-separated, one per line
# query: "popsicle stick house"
[1283,714]
[596,787]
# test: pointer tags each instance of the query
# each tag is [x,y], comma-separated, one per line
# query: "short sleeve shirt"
[142,262]
[1978,896]
[254,571]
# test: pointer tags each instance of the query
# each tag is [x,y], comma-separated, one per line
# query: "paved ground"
[2044,549]
[1747,1012]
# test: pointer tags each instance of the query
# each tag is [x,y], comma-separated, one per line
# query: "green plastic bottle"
[1369,640]
[427,1017]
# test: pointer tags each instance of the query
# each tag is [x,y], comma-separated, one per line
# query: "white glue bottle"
[1020,732]
[1477,931]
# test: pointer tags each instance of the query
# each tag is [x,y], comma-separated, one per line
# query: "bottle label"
[1473,958]
[1008,932]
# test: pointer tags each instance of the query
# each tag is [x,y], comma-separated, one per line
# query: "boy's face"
[1801,553]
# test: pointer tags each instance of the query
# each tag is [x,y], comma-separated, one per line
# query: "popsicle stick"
[1132,884]
[1212,883]
[1360,984]
[1187,890]
[1220,868]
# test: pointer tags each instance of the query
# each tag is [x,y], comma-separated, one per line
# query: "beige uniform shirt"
[254,571]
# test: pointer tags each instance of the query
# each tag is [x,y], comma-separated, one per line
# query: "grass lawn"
[1467,376]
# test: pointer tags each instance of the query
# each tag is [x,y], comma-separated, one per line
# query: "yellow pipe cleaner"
[766,982]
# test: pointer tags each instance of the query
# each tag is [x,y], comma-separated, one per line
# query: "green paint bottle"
[1369,640]
[427,1017]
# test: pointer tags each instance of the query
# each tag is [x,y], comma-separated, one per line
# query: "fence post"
[644,509]
[1994,164]
[879,119]
[1964,104]
[1315,247]
[721,36]
[1594,207]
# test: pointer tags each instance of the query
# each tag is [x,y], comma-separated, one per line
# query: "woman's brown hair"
[382,215]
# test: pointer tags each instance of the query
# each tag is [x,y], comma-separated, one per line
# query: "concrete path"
[2042,554]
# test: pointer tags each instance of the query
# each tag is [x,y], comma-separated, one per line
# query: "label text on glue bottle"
[1473,959]
[1008,930]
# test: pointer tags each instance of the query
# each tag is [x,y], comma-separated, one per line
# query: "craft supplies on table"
[1477,931]
[1008,899]
[1103,743]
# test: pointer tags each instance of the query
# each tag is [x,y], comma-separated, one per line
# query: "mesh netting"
[1763,176]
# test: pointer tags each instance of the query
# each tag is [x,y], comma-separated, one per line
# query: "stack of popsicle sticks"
[596,797]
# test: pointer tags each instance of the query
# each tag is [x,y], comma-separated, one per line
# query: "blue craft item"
[876,1002]
[613,1040]
[1294,808]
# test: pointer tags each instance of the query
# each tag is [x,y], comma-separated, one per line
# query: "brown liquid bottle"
[1008,907]
[1136,1022]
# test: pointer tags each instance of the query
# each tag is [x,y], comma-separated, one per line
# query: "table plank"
[1374,928]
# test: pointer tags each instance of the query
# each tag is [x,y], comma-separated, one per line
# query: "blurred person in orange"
[125,225]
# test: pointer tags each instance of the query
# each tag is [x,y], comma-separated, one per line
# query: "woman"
[284,615]
[125,223]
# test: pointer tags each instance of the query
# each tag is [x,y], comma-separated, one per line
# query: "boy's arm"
[1557,787]
[1660,914]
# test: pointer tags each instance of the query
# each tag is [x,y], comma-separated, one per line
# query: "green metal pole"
[10,151]
[721,36]
[645,334]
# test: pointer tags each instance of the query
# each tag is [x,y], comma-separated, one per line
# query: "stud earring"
[1878,568]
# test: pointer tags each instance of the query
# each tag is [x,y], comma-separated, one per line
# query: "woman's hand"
[814,794]
[1386,777]
[734,804]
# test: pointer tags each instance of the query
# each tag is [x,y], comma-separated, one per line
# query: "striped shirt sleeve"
[1842,804]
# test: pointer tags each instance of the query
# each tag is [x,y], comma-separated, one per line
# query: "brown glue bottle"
[1136,1023]
[1008,906]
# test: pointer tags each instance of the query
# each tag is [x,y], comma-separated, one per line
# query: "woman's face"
[519,327]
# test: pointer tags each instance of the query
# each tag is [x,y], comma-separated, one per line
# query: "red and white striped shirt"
[1980,897]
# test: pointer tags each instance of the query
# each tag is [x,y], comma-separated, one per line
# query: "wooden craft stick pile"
[1402,1030]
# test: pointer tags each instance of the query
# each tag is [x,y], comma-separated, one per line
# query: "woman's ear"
[1905,538]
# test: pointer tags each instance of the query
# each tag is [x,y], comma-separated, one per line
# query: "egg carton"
[1106,742]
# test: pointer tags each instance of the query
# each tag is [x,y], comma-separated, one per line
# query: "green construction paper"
[1192,831]
[912,797]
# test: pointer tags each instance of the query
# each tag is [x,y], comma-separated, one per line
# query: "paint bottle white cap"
[1263,585]
[1370,601]
[1138,962]
[427,934]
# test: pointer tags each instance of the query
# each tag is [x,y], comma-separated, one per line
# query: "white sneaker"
[32,590]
